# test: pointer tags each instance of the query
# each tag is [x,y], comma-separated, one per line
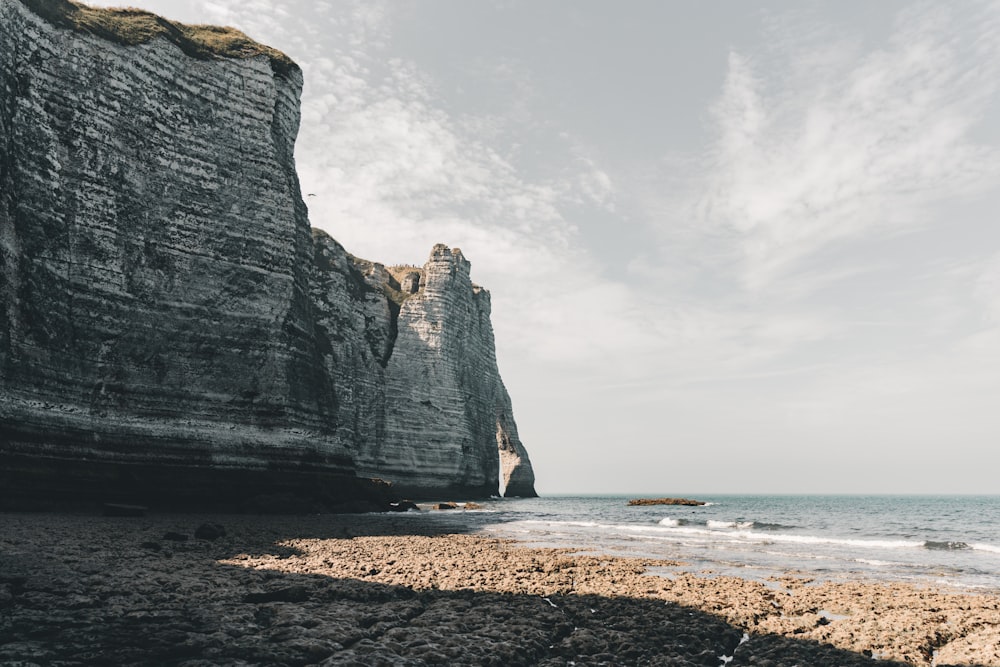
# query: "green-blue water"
[934,540]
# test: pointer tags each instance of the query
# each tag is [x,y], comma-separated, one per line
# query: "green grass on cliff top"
[130,26]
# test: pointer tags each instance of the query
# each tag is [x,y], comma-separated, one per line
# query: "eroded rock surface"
[393,590]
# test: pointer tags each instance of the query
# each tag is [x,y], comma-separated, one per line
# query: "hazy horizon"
[731,247]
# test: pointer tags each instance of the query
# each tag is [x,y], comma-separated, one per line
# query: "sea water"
[931,540]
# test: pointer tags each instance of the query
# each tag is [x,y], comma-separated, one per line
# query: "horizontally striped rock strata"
[164,309]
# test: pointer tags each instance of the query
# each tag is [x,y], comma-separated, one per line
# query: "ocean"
[949,541]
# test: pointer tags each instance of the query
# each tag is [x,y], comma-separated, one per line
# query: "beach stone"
[175,537]
[209,531]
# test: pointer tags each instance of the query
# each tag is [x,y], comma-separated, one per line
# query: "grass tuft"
[130,26]
[391,287]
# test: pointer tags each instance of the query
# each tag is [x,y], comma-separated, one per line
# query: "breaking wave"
[743,525]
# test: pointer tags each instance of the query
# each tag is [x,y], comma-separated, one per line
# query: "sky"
[744,247]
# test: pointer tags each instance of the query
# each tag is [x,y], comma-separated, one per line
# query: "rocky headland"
[171,328]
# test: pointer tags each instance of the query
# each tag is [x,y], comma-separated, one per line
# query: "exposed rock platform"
[414,590]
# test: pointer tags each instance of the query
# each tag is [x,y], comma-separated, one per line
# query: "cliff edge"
[171,328]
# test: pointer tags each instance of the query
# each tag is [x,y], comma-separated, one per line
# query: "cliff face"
[412,353]
[165,305]
[443,388]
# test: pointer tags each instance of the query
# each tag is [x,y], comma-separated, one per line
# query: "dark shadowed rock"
[209,531]
[289,594]
[116,509]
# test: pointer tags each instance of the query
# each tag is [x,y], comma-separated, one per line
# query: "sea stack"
[172,331]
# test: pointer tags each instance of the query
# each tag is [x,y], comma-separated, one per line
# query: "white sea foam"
[992,548]
[670,523]
[872,561]
[864,544]
[729,524]
[715,531]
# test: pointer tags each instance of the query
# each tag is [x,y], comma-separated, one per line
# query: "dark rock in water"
[115,509]
[173,332]
[175,537]
[472,506]
[209,531]
[446,506]
[403,506]
[666,501]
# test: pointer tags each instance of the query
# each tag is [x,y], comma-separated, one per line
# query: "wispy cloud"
[856,144]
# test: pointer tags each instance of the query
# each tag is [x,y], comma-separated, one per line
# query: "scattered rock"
[152,546]
[175,537]
[473,506]
[446,506]
[209,531]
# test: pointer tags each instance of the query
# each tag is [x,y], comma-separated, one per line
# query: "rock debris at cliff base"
[388,590]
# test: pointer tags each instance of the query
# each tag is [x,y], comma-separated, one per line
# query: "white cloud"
[807,159]
[987,290]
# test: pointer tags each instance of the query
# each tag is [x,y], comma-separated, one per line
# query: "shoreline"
[388,589]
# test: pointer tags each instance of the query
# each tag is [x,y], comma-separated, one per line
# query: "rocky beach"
[403,590]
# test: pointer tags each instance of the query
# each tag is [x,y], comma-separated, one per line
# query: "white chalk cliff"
[166,312]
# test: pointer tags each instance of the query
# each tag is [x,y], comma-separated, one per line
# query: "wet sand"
[400,590]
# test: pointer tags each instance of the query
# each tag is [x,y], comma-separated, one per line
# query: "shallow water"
[932,540]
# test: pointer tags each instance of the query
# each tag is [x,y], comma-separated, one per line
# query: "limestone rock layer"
[164,304]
